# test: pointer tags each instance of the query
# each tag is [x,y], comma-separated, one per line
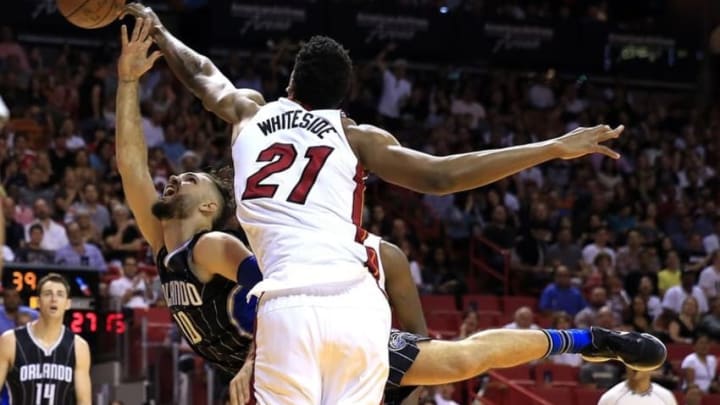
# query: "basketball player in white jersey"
[638,389]
[322,323]
[43,362]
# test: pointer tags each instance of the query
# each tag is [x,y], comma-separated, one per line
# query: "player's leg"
[354,357]
[440,362]
[286,339]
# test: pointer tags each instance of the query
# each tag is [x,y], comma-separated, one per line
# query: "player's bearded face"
[177,206]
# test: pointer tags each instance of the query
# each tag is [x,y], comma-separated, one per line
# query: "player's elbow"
[438,182]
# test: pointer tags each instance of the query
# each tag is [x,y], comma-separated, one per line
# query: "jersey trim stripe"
[357,208]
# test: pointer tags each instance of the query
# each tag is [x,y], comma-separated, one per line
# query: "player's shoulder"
[664,394]
[7,341]
[82,348]
[613,393]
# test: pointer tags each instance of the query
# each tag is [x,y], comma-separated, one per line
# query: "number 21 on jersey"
[281,156]
[44,392]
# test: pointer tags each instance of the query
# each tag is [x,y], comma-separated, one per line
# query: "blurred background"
[629,244]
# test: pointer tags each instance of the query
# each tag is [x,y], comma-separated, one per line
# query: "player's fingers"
[123,35]
[606,151]
[246,391]
[145,29]
[234,400]
[154,57]
[136,29]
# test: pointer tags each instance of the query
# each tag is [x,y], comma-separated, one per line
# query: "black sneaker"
[638,351]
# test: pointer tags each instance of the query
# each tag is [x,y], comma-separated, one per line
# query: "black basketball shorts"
[403,350]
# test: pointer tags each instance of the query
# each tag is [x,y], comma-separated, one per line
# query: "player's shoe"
[638,351]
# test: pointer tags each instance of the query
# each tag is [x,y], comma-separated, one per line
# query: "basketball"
[90,14]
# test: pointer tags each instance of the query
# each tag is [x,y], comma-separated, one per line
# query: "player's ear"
[209,207]
[68,304]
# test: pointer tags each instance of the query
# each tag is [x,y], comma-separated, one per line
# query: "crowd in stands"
[627,244]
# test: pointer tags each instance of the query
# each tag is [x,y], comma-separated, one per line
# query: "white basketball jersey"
[299,193]
[374,259]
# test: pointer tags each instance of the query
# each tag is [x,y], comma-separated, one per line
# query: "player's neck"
[47,330]
[177,232]
[639,386]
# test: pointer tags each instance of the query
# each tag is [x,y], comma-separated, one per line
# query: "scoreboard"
[87,316]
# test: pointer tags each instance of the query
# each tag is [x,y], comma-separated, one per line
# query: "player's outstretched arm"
[401,289]
[130,147]
[83,385]
[199,74]
[7,354]
[218,253]
[380,153]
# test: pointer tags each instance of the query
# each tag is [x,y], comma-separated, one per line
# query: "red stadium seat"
[560,374]
[481,302]
[438,303]
[511,303]
[520,374]
[488,319]
[555,395]
[711,399]
[678,351]
[587,396]
[444,321]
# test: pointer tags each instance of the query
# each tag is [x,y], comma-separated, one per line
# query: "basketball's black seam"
[112,7]
[78,8]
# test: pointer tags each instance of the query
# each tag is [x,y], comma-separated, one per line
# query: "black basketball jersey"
[39,376]
[203,312]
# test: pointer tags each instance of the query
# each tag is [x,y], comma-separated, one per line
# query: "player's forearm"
[477,169]
[195,71]
[130,145]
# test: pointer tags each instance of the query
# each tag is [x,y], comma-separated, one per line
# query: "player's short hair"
[322,73]
[223,179]
[56,278]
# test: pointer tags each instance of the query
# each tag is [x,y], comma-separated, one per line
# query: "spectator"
[90,202]
[618,299]
[587,317]
[10,48]
[637,389]
[652,301]
[445,280]
[562,320]
[78,252]
[561,295]
[523,319]
[710,277]
[700,367]
[711,242]
[600,245]
[444,394]
[711,322]
[682,328]
[396,88]
[36,188]
[468,105]
[670,275]
[54,236]
[628,256]
[565,251]
[693,395]
[14,231]
[638,318]
[90,233]
[469,325]
[529,256]
[675,296]
[122,238]
[132,290]
[12,312]
[33,252]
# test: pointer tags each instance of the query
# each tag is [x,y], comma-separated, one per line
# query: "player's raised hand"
[583,141]
[146,13]
[134,59]
[240,385]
